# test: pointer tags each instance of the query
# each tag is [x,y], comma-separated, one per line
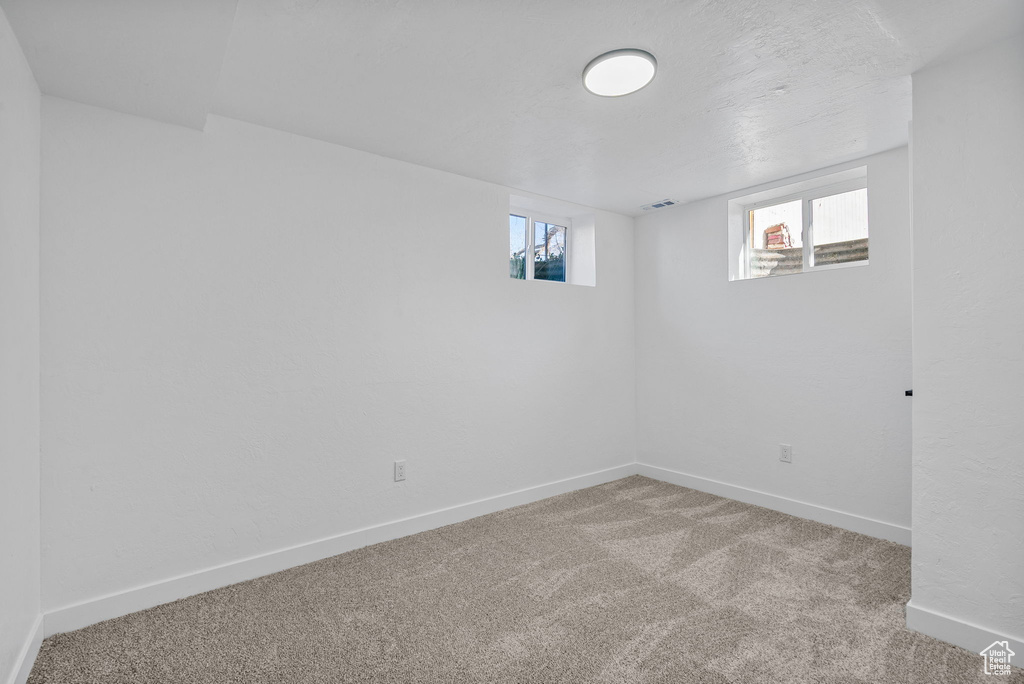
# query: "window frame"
[807,196]
[532,218]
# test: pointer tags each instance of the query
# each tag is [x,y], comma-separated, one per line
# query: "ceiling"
[155,58]
[747,91]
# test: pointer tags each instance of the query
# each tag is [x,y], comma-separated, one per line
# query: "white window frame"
[807,195]
[532,218]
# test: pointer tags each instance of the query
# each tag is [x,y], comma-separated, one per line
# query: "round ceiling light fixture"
[619,72]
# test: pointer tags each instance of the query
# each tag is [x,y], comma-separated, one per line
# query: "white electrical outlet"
[399,471]
[786,453]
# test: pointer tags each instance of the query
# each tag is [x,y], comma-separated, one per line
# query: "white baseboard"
[90,612]
[829,516]
[963,634]
[27,656]
[111,606]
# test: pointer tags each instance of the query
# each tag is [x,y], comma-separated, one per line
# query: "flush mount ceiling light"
[619,72]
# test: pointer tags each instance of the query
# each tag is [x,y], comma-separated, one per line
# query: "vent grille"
[659,205]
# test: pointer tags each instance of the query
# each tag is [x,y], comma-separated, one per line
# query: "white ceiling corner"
[155,58]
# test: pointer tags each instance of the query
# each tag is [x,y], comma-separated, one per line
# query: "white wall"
[19,351]
[968,496]
[726,371]
[243,328]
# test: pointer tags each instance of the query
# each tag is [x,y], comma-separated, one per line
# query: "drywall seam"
[27,657]
[111,606]
[829,516]
[955,631]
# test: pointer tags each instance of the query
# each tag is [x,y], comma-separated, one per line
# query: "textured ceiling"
[155,58]
[747,91]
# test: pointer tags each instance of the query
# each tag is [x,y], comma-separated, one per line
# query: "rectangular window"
[538,247]
[517,246]
[839,226]
[807,226]
[776,245]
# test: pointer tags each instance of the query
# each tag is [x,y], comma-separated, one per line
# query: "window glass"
[776,239]
[839,224]
[549,252]
[517,247]
[778,226]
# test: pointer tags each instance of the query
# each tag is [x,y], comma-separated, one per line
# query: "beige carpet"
[632,581]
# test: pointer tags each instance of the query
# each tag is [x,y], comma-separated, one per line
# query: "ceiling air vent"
[659,205]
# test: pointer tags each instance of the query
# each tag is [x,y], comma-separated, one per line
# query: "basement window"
[808,226]
[538,247]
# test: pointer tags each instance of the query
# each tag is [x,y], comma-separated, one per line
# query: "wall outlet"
[786,453]
[399,471]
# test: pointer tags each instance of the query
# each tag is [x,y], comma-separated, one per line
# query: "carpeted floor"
[632,581]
